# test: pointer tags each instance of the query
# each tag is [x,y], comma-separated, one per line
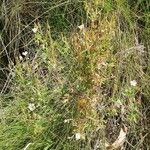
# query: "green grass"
[74,81]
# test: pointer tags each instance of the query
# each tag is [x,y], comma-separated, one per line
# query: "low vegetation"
[74,75]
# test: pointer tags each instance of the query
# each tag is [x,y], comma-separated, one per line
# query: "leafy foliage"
[73,74]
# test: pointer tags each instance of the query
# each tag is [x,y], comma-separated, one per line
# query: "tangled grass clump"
[74,75]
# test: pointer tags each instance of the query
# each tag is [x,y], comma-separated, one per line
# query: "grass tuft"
[73,74]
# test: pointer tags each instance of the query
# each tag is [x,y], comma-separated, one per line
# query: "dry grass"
[74,75]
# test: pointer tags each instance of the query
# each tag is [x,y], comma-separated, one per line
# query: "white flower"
[31,107]
[20,57]
[81,27]
[24,53]
[133,83]
[77,136]
[67,120]
[35,29]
